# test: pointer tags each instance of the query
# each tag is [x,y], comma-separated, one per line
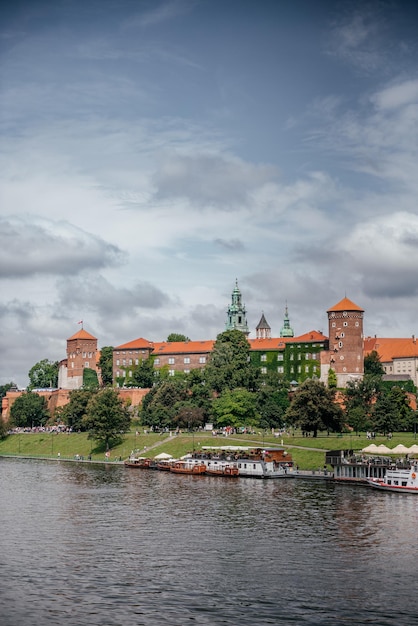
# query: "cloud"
[398,95]
[33,245]
[210,180]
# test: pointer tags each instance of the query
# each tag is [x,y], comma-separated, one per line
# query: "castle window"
[187,359]
[291,357]
[280,357]
[117,362]
[340,344]
[130,374]
[156,361]
[171,372]
[186,371]
[299,369]
[263,357]
[124,361]
[345,323]
[171,360]
[136,362]
[333,324]
[264,370]
[130,361]
[357,324]
[202,359]
[84,355]
[306,369]
[280,369]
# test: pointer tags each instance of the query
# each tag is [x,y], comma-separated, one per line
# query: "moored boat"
[227,471]
[186,467]
[251,462]
[399,480]
[139,462]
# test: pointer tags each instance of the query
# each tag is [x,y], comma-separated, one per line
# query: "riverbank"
[307,452]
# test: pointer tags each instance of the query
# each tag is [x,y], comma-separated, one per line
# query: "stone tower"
[81,353]
[263,330]
[345,331]
[237,319]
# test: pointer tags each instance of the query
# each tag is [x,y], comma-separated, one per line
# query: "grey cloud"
[32,247]
[234,245]
[96,294]
[208,181]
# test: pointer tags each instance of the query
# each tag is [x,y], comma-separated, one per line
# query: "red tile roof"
[82,334]
[345,305]
[136,344]
[391,348]
[176,347]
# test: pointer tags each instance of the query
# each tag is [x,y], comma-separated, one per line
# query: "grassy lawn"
[307,452]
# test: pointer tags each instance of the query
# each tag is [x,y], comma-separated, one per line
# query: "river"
[89,544]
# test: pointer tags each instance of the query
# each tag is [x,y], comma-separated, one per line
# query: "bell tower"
[237,319]
[345,331]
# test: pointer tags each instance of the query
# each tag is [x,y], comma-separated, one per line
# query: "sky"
[153,152]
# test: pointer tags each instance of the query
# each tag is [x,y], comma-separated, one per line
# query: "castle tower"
[286,330]
[81,353]
[263,330]
[236,313]
[345,331]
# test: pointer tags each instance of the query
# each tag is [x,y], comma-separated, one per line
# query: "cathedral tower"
[237,319]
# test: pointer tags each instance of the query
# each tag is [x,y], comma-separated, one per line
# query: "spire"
[263,329]
[236,319]
[286,330]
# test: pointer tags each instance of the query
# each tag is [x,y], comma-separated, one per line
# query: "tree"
[143,374]
[392,411]
[177,337]
[313,408]
[332,379]
[106,417]
[72,414]
[28,410]
[188,415]
[106,365]
[236,408]
[43,375]
[229,364]
[90,380]
[5,388]
[372,364]
[272,401]
[159,405]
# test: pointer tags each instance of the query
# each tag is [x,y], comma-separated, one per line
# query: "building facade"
[82,353]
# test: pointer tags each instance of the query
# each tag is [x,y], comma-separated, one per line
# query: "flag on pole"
[80,322]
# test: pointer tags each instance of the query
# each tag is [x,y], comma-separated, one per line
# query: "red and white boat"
[185,467]
[397,480]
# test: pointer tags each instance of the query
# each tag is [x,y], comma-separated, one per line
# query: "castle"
[296,358]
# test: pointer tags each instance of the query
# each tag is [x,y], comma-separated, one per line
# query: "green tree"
[106,365]
[236,408]
[372,364]
[313,408]
[72,414]
[143,374]
[177,337]
[5,388]
[363,393]
[392,411]
[90,380]
[273,401]
[159,405]
[106,417]
[332,379]
[188,416]
[43,375]
[229,364]
[28,410]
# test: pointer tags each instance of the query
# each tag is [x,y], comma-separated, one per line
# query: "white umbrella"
[163,456]
[401,449]
[413,449]
[382,449]
[372,448]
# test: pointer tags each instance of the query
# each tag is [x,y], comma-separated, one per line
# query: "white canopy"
[372,448]
[413,449]
[163,456]
[401,449]
[382,449]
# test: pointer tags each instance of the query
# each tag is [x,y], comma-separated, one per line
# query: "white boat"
[251,462]
[398,480]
